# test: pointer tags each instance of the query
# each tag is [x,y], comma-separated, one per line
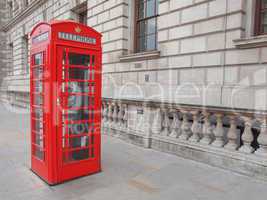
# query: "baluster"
[102,110]
[105,112]
[207,129]
[125,116]
[262,139]
[247,137]
[120,116]
[219,131]
[115,115]
[165,123]
[186,128]
[196,127]
[105,121]
[175,126]
[110,113]
[232,135]
[157,122]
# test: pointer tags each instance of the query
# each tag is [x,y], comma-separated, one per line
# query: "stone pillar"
[147,126]
[232,135]
[165,123]
[157,122]
[219,131]
[262,139]
[176,125]
[247,137]
[207,130]
[186,128]
[196,127]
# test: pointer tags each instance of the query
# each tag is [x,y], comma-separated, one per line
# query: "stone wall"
[3,44]
[25,17]
[197,61]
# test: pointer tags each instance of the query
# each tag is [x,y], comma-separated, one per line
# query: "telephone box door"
[78,108]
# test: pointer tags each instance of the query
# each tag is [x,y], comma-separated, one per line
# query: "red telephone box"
[65,101]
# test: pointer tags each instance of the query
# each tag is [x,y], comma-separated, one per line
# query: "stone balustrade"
[234,139]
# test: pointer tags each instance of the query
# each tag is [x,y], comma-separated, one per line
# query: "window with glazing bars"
[146,12]
[261,17]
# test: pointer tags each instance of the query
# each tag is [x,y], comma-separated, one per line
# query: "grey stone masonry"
[199,59]
[3,43]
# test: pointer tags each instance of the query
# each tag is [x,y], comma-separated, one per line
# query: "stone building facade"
[184,76]
[3,53]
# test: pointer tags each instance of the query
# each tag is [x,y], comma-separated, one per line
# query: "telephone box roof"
[55,23]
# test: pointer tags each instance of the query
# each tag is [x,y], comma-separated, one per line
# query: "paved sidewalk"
[129,173]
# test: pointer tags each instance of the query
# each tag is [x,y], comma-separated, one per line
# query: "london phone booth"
[65,101]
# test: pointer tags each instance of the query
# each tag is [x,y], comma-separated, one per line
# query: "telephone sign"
[65,101]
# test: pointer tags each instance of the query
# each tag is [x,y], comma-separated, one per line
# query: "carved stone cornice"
[24,13]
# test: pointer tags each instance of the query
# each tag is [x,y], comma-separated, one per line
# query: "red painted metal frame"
[52,168]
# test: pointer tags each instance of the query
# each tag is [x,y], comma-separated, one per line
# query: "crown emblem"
[78,29]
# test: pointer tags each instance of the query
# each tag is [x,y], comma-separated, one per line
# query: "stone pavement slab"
[129,173]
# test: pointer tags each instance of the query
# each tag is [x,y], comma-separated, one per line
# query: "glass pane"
[78,73]
[151,42]
[38,126]
[92,139]
[142,28]
[39,153]
[37,100]
[78,87]
[78,142]
[80,154]
[151,26]
[92,72]
[92,101]
[38,86]
[81,128]
[93,60]
[142,44]
[141,10]
[264,18]
[78,101]
[38,113]
[39,140]
[92,88]
[77,115]
[150,8]
[37,72]
[264,3]
[79,59]
[38,59]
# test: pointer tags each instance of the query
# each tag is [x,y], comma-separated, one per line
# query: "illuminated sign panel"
[76,38]
[40,38]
